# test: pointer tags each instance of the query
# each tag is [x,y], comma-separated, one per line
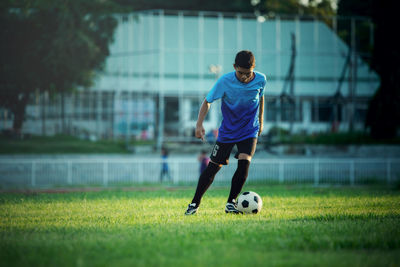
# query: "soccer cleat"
[232,208]
[192,209]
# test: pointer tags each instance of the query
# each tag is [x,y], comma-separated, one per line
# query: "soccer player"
[242,106]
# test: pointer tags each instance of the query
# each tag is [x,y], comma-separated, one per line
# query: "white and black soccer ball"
[249,202]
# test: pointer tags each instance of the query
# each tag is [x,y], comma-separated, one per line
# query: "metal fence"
[129,172]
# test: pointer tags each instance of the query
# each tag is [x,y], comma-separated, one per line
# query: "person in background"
[204,160]
[164,165]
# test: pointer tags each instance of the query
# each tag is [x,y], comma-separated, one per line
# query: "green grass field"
[298,226]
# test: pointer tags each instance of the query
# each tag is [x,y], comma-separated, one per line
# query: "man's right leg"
[205,180]
[219,156]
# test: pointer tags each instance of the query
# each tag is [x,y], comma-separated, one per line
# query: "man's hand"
[200,132]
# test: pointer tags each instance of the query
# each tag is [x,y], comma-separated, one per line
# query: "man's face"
[244,75]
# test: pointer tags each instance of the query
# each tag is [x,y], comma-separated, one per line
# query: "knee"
[211,170]
[244,156]
[214,163]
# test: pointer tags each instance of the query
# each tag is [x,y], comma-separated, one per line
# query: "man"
[242,106]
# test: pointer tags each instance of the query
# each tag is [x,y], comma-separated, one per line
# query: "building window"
[321,112]
[76,105]
[288,110]
[93,108]
[360,113]
[107,100]
[270,109]
[195,104]
[324,111]
[291,111]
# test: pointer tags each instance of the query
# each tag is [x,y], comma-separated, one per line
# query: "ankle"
[232,201]
[196,204]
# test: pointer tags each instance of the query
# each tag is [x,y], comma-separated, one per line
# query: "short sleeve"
[263,86]
[216,92]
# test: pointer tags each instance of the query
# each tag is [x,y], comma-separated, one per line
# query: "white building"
[162,64]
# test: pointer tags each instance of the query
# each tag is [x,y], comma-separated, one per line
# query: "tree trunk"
[43,104]
[19,113]
[63,130]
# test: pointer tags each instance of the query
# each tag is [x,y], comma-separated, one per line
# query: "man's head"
[244,65]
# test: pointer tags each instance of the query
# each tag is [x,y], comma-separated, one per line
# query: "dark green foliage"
[203,5]
[384,110]
[289,7]
[383,118]
[50,45]
[281,136]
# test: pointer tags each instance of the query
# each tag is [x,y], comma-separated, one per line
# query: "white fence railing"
[109,172]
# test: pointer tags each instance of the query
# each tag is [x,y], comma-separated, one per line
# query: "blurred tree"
[383,115]
[291,7]
[203,5]
[50,46]
[356,9]
[322,9]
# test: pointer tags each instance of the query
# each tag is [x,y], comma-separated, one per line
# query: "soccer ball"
[249,202]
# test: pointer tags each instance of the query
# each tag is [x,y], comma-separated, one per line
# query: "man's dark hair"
[245,59]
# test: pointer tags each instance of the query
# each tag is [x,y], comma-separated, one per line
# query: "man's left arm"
[261,115]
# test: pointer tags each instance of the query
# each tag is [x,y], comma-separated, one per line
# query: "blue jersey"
[239,105]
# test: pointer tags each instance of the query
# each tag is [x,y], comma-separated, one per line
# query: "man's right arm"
[200,132]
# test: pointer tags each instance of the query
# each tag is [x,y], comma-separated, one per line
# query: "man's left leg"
[246,149]
[240,176]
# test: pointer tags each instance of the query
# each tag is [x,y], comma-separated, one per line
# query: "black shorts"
[221,151]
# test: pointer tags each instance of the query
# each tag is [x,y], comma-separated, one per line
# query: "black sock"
[205,180]
[239,178]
